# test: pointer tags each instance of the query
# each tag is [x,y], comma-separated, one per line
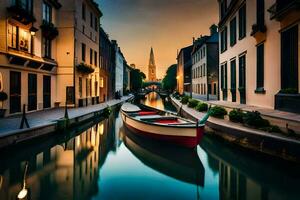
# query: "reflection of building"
[259,53]
[69,170]
[205,59]
[245,177]
[152,67]
[184,68]
[28,54]
[126,78]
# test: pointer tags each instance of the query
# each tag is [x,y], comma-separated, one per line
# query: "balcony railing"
[282,7]
[22,12]
[49,31]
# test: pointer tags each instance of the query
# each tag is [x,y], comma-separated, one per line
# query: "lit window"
[101,82]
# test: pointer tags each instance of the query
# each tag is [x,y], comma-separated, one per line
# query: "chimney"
[213,29]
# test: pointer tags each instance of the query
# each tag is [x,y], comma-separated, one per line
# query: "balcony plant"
[84,68]
[3,97]
[49,30]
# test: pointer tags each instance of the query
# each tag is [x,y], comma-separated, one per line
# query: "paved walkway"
[49,116]
[237,126]
[264,111]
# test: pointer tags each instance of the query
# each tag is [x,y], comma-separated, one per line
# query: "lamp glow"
[23,193]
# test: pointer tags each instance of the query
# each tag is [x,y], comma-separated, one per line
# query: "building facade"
[126,79]
[205,59]
[184,68]
[78,43]
[152,67]
[105,65]
[119,61]
[259,53]
[28,54]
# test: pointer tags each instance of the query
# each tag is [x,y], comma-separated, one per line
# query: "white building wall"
[119,73]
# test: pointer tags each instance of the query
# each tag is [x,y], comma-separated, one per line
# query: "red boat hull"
[185,141]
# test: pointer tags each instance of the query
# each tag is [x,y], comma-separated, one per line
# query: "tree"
[169,82]
[136,77]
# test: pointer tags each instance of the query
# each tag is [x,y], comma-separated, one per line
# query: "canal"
[103,160]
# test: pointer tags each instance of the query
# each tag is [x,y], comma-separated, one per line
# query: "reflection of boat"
[180,163]
[161,125]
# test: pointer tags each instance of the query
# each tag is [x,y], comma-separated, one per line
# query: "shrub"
[107,111]
[254,119]
[185,100]
[201,107]
[193,103]
[218,112]
[236,115]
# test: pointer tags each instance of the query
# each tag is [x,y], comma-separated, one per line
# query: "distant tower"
[152,67]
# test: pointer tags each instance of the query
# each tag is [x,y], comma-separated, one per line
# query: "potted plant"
[3,97]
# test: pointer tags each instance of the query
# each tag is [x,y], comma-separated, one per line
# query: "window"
[96,88]
[224,80]
[96,24]
[233,32]
[101,82]
[47,47]
[260,13]
[83,11]
[83,51]
[18,38]
[242,22]
[260,66]
[95,58]
[91,19]
[12,36]
[80,87]
[223,8]
[87,88]
[25,4]
[224,40]
[233,74]
[204,50]
[91,56]
[242,72]
[83,29]
[204,70]
[47,13]
[24,40]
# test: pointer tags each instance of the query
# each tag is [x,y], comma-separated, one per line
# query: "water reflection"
[154,100]
[103,160]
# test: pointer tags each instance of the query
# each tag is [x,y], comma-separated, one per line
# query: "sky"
[165,25]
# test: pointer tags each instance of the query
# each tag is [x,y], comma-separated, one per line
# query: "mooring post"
[24,119]
[66,111]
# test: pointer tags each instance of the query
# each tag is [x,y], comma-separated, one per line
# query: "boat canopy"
[128,107]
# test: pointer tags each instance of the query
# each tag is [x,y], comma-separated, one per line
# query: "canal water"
[103,160]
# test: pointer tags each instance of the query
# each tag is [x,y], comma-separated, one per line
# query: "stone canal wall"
[77,117]
[259,141]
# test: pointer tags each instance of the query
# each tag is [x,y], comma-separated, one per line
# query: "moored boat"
[163,125]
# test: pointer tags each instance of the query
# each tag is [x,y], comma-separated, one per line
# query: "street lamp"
[33,30]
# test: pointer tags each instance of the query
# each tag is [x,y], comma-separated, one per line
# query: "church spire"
[152,60]
[152,67]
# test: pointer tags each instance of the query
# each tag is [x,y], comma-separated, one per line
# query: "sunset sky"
[166,25]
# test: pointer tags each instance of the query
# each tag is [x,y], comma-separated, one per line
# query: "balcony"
[21,13]
[282,7]
[49,31]
[84,68]
[258,28]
